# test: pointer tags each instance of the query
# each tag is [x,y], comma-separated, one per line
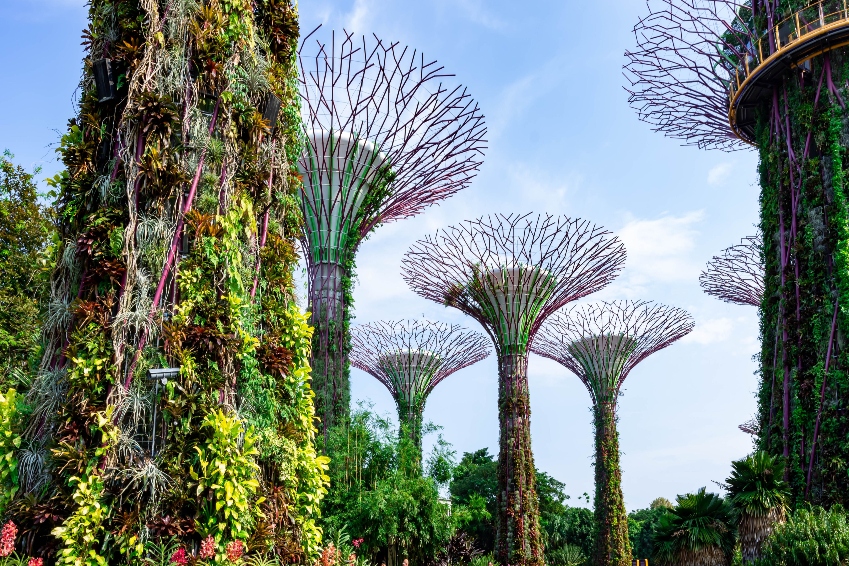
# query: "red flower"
[7,538]
[235,550]
[180,557]
[357,542]
[207,548]
[35,562]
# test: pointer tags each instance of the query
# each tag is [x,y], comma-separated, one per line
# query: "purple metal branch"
[172,252]
[601,343]
[822,398]
[560,259]
[440,349]
[736,276]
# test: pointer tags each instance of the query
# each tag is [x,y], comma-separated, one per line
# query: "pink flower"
[35,562]
[7,538]
[207,548]
[178,557]
[235,550]
[357,542]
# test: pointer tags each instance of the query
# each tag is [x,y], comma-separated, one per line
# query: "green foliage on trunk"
[801,295]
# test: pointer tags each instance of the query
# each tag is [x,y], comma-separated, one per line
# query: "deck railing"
[815,17]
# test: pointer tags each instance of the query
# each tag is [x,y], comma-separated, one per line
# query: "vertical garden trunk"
[517,535]
[331,344]
[802,140]
[410,417]
[612,546]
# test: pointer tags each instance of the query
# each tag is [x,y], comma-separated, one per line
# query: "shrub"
[810,537]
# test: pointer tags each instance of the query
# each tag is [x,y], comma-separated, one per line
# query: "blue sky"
[562,139]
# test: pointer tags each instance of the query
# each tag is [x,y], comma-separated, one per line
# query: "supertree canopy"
[411,358]
[510,272]
[736,276]
[773,75]
[385,138]
[601,344]
[172,413]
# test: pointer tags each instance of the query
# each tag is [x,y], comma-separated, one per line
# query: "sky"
[562,140]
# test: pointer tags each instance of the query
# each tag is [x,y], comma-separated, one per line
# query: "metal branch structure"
[736,276]
[510,272]
[601,343]
[386,135]
[773,74]
[411,358]
[678,76]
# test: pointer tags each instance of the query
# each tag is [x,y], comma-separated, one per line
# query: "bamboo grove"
[172,341]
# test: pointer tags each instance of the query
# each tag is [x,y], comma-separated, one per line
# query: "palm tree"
[698,531]
[758,492]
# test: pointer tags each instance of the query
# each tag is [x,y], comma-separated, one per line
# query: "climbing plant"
[172,406]
[802,132]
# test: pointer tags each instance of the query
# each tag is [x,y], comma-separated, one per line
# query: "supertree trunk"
[721,73]
[612,546]
[331,343]
[803,218]
[410,421]
[517,536]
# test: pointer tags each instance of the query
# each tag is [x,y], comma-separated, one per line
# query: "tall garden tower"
[169,345]
[385,138]
[411,358]
[510,272]
[601,344]
[772,75]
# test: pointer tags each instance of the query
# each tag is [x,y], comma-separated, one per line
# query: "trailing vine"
[173,401]
[802,133]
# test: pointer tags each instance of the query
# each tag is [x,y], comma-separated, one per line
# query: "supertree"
[411,358]
[772,74]
[510,272]
[736,276]
[601,343]
[385,138]
[168,345]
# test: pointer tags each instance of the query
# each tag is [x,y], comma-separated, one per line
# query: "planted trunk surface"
[517,537]
[612,546]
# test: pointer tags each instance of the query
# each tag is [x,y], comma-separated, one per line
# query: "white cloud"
[659,249]
[719,173]
[475,11]
[710,331]
[358,19]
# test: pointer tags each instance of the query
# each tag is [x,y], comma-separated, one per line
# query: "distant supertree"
[411,358]
[601,344]
[772,74]
[510,272]
[736,276]
[384,140]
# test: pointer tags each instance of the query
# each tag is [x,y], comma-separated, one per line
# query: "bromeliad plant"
[178,221]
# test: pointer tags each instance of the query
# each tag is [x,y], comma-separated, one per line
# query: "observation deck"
[819,27]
